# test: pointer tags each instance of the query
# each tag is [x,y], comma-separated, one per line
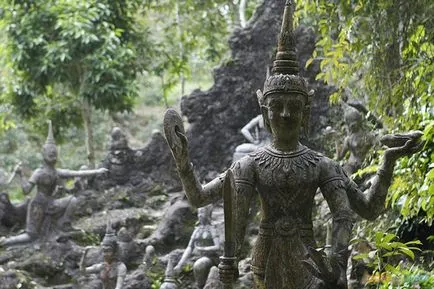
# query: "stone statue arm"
[332,269]
[249,126]
[187,251]
[197,194]
[370,204]
[28,185]
[94,269]
[65,173]
[122,273]
[245,189]
[343,220]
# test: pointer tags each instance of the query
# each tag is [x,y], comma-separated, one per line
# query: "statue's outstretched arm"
[65,173]
[370,204]
[94,269]
[197,194]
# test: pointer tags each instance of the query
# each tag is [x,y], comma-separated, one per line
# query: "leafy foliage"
[382,53]
[62,53]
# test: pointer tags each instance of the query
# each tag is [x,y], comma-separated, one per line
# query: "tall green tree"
[186,32]
[382,52]
[67,58]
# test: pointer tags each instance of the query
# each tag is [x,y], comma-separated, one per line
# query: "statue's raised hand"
[326,269]
[175,137]
[402,144]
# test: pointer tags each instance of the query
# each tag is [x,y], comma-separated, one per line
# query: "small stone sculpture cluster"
[286,174]
[275,166]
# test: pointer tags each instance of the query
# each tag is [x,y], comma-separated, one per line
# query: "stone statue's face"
[285,114]
[49,153]
[203,216]
[108,253]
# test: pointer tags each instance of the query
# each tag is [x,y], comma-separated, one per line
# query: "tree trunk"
[86,114]
[242,12]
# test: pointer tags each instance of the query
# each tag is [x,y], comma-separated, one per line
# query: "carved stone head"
[110,244]
[118,140]
[353,119]
[204,215]
[285,101]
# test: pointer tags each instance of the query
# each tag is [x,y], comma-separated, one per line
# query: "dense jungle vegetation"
[88,65]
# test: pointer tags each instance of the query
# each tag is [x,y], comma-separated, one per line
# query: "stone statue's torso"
[287,183]
[45,180]
[109,274]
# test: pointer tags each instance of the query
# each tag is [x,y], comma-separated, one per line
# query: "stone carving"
[357,143]
[169,277]
[287,174]
[254,131]
[148,259]
[120,157]
[12,215]
[45,214]
[112,272]
[203,248]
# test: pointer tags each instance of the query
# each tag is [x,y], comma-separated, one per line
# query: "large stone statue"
[286,175]
[257,135]
[203,248]
[112,272]
[45,214]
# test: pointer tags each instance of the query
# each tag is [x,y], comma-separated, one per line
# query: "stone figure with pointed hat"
[169,277]
[286,175]
[112,272]
[47,216]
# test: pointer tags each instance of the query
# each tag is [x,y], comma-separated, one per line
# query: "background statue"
[44,210]
[358,142]
[112,272]
[120,156]
[203,248]
[287,174]
[169,280]
[257,136]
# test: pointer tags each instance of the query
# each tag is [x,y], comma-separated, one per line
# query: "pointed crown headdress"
[284,74]
[110,238]
[50,138]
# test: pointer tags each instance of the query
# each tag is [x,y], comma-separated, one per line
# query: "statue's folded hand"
[102,170]
[176,139]
[402,144]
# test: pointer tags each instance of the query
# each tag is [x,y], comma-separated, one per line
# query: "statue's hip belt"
[285,227]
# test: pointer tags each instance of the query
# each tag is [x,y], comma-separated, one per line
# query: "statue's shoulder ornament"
[332,175]
[244,171]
